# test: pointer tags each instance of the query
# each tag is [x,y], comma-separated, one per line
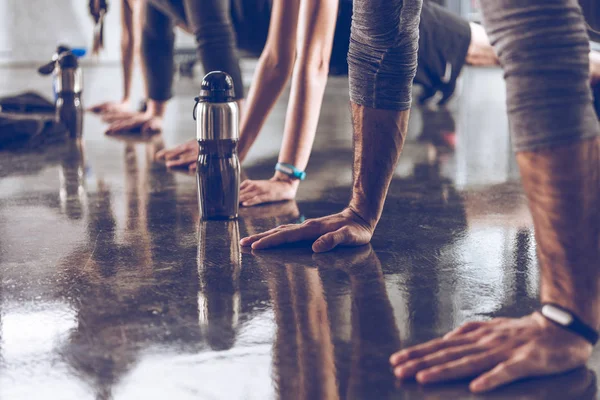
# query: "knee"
[549,39]
[215,37]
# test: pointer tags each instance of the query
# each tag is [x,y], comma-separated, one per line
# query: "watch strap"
[290,170]
[575,325]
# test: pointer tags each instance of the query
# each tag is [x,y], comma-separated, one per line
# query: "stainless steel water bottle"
[217,132]
[68,88]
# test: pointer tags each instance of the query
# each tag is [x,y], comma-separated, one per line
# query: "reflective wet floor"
[110,288]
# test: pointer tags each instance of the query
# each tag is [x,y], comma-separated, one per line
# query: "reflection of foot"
[480,53]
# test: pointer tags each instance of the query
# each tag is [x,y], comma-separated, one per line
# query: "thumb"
[331,240]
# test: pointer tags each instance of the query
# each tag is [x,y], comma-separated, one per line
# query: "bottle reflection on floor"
[219,267]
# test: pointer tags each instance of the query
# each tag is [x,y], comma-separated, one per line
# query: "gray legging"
[543,47]
[209,21]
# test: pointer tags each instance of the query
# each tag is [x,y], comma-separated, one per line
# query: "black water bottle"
[68,88]
[217,132]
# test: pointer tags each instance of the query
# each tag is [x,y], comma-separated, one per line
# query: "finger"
[465,328]
[502,374]
[161,154]
[256,200]
[330,240]
[462,368]
[411,368]
[149,128]
[249,194]
[428,348]
[247,241]
[123,126]
[175,153]
[182,161]
[97,109]
[245,183]
[289,235]
[193,166]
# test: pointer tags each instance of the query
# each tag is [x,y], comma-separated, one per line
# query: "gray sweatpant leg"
[382,58]
[544,49]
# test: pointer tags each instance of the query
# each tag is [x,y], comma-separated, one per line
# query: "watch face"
[557,315]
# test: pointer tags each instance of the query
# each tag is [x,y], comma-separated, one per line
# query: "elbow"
[279,64]
[314,68]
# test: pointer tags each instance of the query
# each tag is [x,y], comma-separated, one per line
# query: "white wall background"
[31,29]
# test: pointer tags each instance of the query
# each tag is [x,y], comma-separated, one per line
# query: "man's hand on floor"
[496,352]
[346,228]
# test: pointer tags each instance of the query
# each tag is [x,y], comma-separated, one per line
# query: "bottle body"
[69,111]
[218,179]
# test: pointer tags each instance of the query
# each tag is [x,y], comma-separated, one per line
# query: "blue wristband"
[290,171]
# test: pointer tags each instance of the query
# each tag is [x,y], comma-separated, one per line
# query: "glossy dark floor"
[111,289]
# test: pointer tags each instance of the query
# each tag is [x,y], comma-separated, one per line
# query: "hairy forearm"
[303,113]
[378,140]
[268,83]
[564,185]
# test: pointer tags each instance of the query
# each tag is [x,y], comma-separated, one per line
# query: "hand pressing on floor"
[278,188]
[148,122]
[138,122]
[496,352]
[183,156]
[346,228]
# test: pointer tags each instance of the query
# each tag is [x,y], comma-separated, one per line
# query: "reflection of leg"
[285,348]
[315,348]
[374,332]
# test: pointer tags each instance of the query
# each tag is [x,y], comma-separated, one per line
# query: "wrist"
[364,215]
[588,312]
[368,211]
[281,177]
[156,108]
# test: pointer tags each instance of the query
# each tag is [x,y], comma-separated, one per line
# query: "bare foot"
[480,53]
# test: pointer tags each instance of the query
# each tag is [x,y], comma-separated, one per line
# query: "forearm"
[269,81]
[382,61]
[567,222]
[555,133]
[378,139]
[303,113]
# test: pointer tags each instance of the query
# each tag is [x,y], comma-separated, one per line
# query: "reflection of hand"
[258,192]
[352,260]
[499,351]
[287,210]
[344,228]
[136,122]
[110,107]
[185,155]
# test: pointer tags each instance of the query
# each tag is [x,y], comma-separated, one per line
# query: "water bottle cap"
[217,87]
[68,60]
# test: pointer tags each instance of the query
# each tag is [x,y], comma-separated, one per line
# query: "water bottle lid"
[217,87]
[68,60]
